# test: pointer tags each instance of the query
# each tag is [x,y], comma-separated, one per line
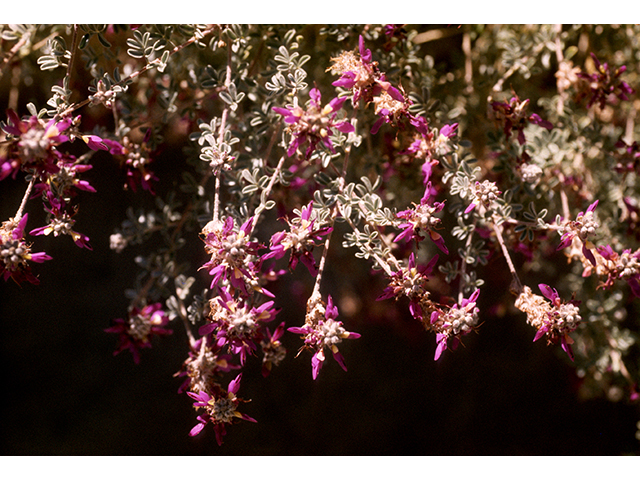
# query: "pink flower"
[321,333]
[451,324]
[584,226]
[230,251]
[61,223]
[15,253]
[624,266]
[236,325]
[314,124]
[220,409]
[422,218]
[513,115]
[411,281]
[562,319]
[300,240]
[604,83]
[138,329]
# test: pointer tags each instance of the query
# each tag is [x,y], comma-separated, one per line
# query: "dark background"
[66,394]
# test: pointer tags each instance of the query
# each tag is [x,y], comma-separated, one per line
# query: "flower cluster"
[235,325]
[556,320]
[619,266]
[513,115]
[422,218]
[604,83]
[220,409]
[314,124]
[322,330]
[450,324]
[583,227]
[231,251]
[137,330]
[16,253]
[204,364]
[485,194]
[411,282]
[300,239]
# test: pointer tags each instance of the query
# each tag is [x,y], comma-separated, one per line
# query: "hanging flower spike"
[15,253]
[451,324]
[321,333]
[411,281]
[137,330]
[300,240]
[584,226]
[556,319]
[314,124]
[220,408]
[422,217]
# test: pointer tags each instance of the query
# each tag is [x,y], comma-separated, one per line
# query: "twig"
[516,286]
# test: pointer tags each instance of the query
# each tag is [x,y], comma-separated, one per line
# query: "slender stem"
[185,320]
[463,267]
[267,191]
[516,286]
[468,64]
[23,203]
[560,58]
[323,259]
[15,49]
[223,126]
[72,61]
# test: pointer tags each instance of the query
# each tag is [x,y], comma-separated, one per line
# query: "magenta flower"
[584,226]
[562,319]
[624,266]
[272,349]
[138,329]
[205,362]
[451,324]
[300,240]
[411,281]
[236,325]
[32,144]
[422,218]
[361,75]
[320,333]
[430,145]
[15,253]
[230,252]
[220,409]
[61,223]
[314,124]
[604,83]
[513,115]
